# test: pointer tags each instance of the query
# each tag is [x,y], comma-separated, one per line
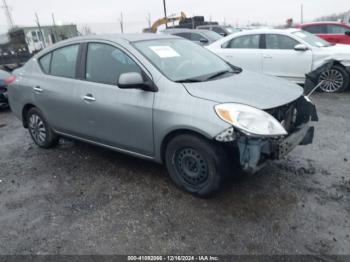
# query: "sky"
[103,16]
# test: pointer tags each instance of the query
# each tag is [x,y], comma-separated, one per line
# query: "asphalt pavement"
[82,199]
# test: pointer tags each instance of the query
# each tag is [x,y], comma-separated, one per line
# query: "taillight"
[10,80]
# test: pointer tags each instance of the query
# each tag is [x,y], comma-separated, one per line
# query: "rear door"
[112,116]
[55,88]
[280,59]
[243,51]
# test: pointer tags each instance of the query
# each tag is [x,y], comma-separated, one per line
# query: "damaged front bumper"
[255,152]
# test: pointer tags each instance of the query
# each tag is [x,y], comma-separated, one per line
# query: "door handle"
[267,56]
[38,89]
[89,98]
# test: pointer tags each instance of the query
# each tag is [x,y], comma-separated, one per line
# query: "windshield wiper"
[189,80]
[224,72]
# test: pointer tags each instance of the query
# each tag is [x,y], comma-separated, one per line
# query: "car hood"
[249,88]
[337,52]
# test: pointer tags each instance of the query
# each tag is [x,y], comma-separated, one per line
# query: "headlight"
[250,120]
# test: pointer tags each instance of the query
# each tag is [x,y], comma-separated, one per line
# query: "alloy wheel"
[333,81]
[37,129]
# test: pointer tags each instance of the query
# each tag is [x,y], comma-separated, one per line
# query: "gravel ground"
[81,199]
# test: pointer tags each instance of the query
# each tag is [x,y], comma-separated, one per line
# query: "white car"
[287,53]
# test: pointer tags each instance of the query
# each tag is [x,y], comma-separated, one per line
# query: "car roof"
[201,26]
[185,30]
[121,37]
[324,23]
[116,38]
[267,31]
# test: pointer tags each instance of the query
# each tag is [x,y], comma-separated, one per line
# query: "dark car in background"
[201,37]
[220,29]
[333,32]
[5,79]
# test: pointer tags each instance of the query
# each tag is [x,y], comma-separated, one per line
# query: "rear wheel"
[196,165]
[39,129]
[335,80]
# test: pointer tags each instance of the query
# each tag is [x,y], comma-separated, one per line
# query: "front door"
[338,34]
[280,59]
[112,116]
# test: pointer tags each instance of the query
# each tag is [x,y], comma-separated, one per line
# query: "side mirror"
[134,80]
[204,41]
[347,33]
[301,47]
[223,34]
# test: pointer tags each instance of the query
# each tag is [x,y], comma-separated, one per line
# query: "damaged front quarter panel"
[255,151]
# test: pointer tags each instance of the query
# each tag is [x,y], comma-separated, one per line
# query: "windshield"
[312,39]
[181,60]
[212,35]
[232,29]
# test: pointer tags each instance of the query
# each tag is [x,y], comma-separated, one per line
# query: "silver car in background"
[165,99]
[200,37]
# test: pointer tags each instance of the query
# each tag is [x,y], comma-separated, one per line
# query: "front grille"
[286,115]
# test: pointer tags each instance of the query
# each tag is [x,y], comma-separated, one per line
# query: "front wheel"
[39,129]
[335,80]
[196,165]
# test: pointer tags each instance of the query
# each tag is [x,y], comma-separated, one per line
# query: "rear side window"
[45,63]
[316,29]
[247,41]
[64,61]
[280,42]
[105,64]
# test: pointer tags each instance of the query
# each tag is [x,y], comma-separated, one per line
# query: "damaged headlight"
[250,120]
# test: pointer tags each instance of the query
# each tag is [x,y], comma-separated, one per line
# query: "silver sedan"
[165,99]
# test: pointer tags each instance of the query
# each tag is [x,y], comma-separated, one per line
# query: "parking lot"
[81,199]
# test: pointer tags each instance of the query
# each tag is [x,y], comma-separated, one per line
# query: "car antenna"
[315,88]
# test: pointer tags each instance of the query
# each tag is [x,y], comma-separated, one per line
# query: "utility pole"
[121,23]
[54,28]
[302,13]
[41,31]
[8,15]
[165,15]
[149,20]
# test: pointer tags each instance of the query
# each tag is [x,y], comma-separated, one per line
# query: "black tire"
[196,165]
[337,80]
[39,129]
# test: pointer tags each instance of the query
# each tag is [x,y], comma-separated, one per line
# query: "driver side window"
[336,29]
[281,42]
[106,63]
